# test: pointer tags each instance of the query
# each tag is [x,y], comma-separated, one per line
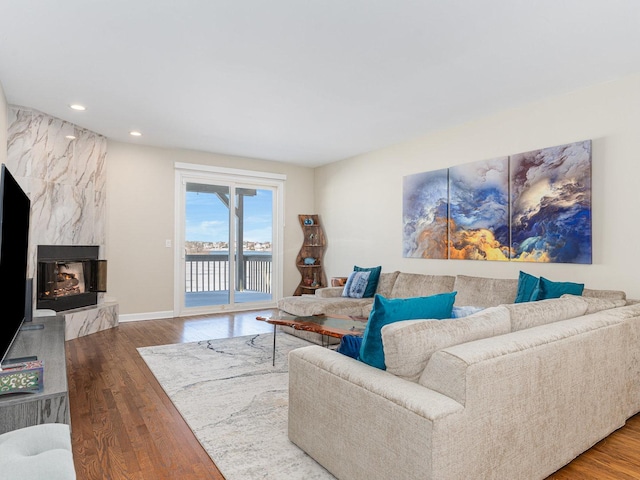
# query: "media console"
[18,410]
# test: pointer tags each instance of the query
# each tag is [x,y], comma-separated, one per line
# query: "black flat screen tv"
[15,208]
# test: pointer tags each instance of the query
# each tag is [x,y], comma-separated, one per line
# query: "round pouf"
[37,452]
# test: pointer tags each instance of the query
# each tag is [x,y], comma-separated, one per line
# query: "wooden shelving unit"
[313,246]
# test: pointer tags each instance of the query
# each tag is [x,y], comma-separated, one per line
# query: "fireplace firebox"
[69,276]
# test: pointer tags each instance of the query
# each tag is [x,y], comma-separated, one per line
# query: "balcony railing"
[209,272]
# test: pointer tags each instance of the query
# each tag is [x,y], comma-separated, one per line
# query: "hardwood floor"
[123,424]
[125,427]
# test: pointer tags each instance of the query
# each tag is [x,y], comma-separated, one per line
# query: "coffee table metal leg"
[273,356]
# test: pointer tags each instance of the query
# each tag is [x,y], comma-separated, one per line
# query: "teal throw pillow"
[386,311]
[547,289]
[372,286]
[527,284]
[356,284]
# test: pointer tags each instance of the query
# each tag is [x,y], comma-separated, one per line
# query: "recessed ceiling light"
[70,137]
[77,106]
[135,133]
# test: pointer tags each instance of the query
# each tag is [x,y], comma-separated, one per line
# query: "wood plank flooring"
[125,427]
[123,424]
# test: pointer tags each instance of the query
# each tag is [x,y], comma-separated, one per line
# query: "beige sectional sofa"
[472,291]
[515,391]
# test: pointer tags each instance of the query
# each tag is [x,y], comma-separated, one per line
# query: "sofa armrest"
[329,292]
[421,400]
[361,408]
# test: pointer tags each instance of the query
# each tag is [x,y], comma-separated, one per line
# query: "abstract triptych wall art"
[551,204]
[479,210]
[530,207]
[425,207]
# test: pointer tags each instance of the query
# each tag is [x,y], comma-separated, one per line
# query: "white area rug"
[236,403]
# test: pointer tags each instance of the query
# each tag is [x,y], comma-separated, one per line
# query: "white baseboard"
[136,317]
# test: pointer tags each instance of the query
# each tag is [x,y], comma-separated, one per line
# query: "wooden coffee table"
[336,326]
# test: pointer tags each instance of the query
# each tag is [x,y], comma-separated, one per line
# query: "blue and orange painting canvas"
[479,210]
[551,204]
[424,214]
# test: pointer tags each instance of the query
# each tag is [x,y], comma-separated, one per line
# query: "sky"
[207,218]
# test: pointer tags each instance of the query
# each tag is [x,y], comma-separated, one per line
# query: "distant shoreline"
[226,252]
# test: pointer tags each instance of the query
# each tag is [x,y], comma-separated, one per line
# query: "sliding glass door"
[228,237]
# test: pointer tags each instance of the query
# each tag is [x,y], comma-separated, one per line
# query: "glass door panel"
[254,235]
[207,238]
[228,245]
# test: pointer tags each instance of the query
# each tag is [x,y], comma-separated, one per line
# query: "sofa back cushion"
[408,345]
[532,314]
[607,294]
[419,285]
[484,292]
[386,282]
[596,304]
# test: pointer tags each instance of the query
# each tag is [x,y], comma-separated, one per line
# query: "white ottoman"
[37,452]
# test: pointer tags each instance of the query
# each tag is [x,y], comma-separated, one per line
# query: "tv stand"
[51,405]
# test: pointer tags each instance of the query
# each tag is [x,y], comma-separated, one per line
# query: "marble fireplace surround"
[62,168]
[87,320]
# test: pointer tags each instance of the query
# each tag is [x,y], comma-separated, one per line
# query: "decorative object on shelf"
[338,281]
[24,377]
[309,259]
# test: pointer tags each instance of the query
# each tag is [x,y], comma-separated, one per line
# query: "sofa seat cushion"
[419,285]
[329,292]
[408,345]
[484,292]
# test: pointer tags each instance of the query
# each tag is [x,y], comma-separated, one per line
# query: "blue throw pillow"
[350,346]
[386,311]
[526,286]
[372,286]
[547,289]
[461,312]
[356,284]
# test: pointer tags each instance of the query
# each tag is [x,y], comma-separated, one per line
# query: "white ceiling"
[303,81]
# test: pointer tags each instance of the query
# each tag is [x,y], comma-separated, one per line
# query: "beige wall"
[4,112]
[140,217]
[360,198]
